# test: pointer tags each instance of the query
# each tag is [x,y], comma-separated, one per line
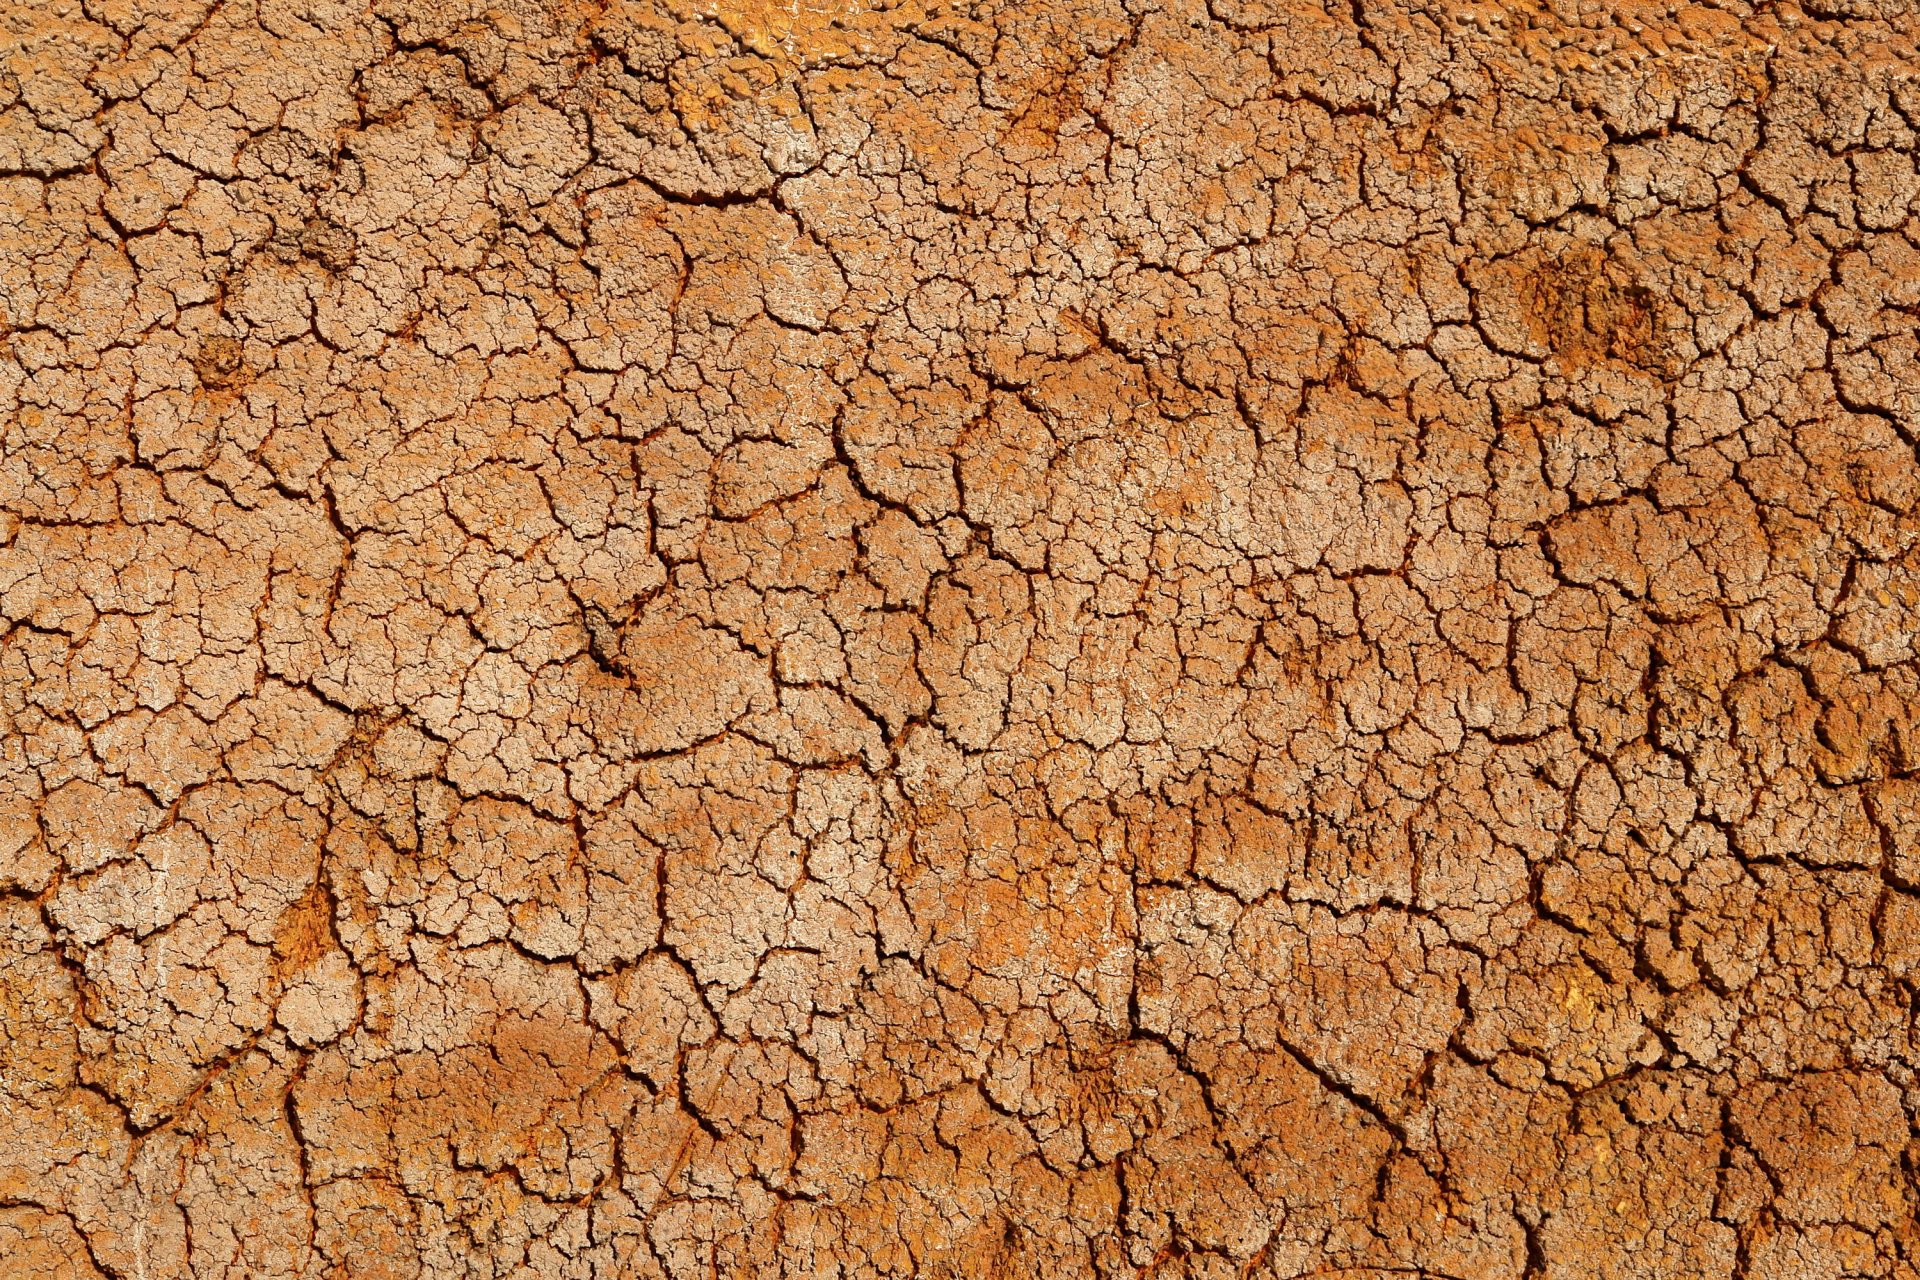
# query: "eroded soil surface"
[881,638]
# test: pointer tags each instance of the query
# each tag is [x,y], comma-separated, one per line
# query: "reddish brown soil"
[875,638]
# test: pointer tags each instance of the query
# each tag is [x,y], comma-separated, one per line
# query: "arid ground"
[692,639]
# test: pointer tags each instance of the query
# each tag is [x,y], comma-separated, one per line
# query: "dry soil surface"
[891,638]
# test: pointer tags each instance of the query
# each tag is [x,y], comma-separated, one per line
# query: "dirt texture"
[884,638]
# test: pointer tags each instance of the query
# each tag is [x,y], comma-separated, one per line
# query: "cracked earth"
[882,638]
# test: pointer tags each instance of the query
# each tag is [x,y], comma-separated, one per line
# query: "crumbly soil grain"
[656,639]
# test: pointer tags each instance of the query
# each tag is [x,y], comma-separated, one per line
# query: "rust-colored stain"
[794,29]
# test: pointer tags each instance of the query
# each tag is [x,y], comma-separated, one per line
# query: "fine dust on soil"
[882,638]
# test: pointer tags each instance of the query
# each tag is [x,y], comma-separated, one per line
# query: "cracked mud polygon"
[879,638]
